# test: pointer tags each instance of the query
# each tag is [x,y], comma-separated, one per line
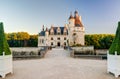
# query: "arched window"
[58,38]
[65,31]
[42,40]
[51,38]
[51,43]
[64,38]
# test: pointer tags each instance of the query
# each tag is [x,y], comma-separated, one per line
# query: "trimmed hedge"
[116,42]
[4,47]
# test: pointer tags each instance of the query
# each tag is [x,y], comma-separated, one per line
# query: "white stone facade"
[70,34]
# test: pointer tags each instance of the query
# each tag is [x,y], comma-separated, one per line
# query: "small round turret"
[71,16]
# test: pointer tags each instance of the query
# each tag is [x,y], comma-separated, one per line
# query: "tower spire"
[76,12]
[77,19]
[71,16]
[76,15]
[43,28]
[46,29]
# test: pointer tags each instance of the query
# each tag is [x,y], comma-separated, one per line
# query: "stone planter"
[113,64]
[6,65]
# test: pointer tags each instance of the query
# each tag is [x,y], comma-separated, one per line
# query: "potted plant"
[114,54]
[5,54]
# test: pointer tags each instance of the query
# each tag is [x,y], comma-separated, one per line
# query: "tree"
[33,41]
[106,41]
[23,36]
[4,47]
[99,41]
[116,42]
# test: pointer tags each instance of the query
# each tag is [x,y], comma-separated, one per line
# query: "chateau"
[70,34]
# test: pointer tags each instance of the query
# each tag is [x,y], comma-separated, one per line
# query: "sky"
[98,16]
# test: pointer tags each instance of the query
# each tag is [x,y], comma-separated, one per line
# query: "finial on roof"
[43,28]
[76,12]
[52,26]
[46,29]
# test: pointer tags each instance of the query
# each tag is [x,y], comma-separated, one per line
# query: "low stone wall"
[101,51]
[84,49]
[88,52]
[23,52]
[28,49]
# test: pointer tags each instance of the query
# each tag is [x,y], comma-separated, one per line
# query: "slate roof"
[55,30]
[42,33]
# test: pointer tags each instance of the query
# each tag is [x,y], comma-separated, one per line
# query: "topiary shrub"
[4,47]
[115,46]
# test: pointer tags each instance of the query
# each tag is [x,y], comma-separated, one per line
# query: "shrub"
[116,42]
[76,45]
[4,47]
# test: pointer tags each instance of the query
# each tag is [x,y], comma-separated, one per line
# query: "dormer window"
[51,31]
[65,31]
[58,31]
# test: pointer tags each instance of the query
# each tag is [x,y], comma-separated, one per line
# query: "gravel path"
[57,64]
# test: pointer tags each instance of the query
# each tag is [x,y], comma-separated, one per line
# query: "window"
[74,42]
[52,38]
[58,33]
[42,40]
[69,22]
[64,38]
[65,31]
[64,43]
[74,34]
[51,31]
[58,38]
[51,43]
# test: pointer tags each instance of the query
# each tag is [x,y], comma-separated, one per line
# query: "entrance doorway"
[58,44]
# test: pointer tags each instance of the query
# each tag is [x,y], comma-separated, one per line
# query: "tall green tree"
[4,47]
[23,36]
[33,41]
[116,42]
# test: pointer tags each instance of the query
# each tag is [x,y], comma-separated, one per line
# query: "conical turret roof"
[71,16]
